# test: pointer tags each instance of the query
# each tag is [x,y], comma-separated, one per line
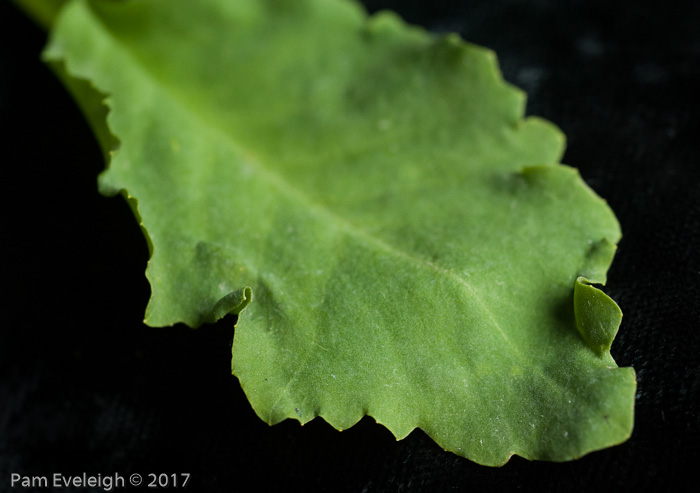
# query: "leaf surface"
[415,251]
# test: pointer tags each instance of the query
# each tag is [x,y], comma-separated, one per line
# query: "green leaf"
[43,12]
[414,249]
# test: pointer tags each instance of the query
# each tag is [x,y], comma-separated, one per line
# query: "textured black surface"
[85,387]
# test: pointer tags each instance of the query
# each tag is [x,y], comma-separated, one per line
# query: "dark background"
[86,387]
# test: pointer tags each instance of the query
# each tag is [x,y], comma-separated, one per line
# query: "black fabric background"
[86,387]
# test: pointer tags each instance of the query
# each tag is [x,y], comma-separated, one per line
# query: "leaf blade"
[474,330]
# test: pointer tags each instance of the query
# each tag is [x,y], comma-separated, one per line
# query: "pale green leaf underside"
[411,244]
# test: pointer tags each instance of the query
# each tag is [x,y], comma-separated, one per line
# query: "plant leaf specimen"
[412,248]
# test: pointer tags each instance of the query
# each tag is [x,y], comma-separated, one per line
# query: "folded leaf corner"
[597,316]
[231,304]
